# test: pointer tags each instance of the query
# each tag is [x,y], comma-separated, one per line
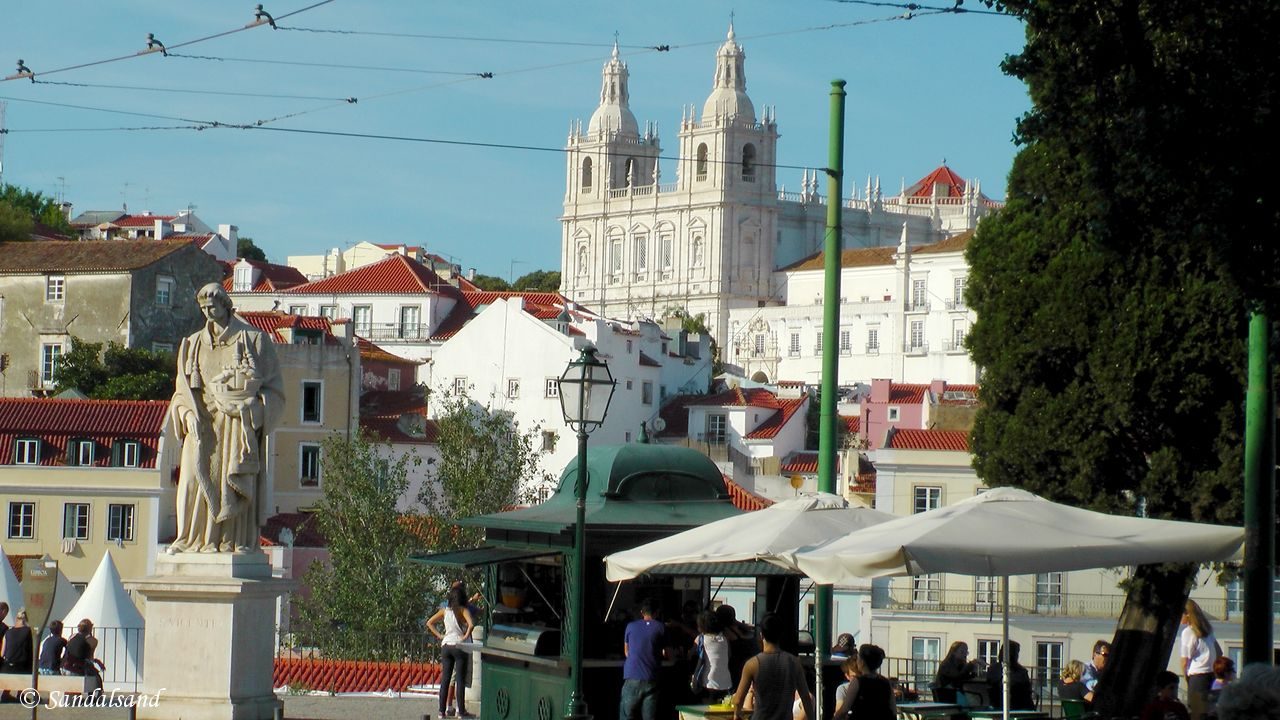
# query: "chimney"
[66,211]
[231,233]
[880,390]
[471,274]
[936,388]
[159,233]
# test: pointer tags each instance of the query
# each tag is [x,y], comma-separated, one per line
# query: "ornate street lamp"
[586,387]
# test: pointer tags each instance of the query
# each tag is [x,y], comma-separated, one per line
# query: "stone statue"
[227,399]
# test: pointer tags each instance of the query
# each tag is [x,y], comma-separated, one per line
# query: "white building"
[338,261]
[902,316]
[709,239]
[509,359]
[121,225]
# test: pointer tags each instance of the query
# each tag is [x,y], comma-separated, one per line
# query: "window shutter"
[117,453]
[73,450]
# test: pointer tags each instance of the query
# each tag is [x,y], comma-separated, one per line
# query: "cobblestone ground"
[296,707]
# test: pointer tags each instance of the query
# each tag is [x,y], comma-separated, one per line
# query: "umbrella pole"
[1004,646]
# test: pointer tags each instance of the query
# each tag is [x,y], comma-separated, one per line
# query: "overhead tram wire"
[336,66]
[108,110]
[191,91]
[160,49]
[469,38]
[957,9]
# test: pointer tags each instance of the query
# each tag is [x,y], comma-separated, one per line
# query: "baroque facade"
[636,245]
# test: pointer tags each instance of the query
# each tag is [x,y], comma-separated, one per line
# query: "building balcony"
[394,332]
[956,304]
[917,307]
[971,602]
[873,348]
[953,346]
[918,348]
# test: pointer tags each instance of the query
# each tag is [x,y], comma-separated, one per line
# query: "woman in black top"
[16,648]
[954,671]
[78,658]
[870,695]
[51,650]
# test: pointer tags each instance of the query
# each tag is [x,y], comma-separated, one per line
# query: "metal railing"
[916,675]
[1020,603]
[392,332]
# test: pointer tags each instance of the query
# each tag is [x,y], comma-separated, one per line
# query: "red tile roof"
[55,422]
[675,414]
[801,462]
[952,184]
[950,440]
[141,220]
[852,423]
[394,274]
[541,305]
[84,255]
[381,411]
[907,393]
[371,352]
[271,277]
[882,255]
[345,676]
[774,424]
[273,321]
[737,397]
[744,499]
[955,243]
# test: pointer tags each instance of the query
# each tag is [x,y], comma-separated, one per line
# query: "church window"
[586,174]
[615,256]
[641,254]
[749,163]
[668,247]
[583,259]
[702,162]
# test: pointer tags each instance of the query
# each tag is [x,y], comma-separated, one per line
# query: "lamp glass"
[586,387]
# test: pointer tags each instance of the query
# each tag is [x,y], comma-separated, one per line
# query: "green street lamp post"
[586,387]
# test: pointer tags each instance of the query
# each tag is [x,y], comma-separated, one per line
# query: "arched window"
[586,175]
[749,162]
[702,162]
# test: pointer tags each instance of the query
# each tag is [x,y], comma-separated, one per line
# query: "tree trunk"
[1144,637]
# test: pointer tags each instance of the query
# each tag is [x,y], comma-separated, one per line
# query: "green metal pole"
[828,436]
[577,709]
[1259,494]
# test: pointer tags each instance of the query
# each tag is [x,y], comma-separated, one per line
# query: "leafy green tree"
[1111,291]
[539,281]
[118,373]
[15,223]
[36,206]
[369,602]
[491,283]
[246,250]
[488,463]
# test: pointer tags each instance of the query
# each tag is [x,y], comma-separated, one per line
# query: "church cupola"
[728,96]
[613,115]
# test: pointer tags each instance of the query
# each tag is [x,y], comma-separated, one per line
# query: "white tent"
[117,623]
[65,597]
[1006,532]
[764,535]
[10,588]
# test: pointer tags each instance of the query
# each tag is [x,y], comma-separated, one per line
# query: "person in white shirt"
[1198,649]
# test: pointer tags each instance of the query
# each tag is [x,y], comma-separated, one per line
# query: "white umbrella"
[764,535]
[971,537]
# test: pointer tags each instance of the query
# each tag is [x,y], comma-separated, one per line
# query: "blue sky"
[919,91]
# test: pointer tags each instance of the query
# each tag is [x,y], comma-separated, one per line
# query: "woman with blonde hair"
[1071,687]
[1199,649]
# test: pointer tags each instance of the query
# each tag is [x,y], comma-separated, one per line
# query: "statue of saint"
[228,397]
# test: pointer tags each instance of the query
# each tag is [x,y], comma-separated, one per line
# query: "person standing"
[15,649]
[1198,649]
[775,677]
[1093,669]
[643,646]
[458,625]
[711,672]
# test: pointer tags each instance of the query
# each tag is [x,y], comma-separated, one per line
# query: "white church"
[712,239]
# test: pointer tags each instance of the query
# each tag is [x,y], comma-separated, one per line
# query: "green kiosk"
[637,493]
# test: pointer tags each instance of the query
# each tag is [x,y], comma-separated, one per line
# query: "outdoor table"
[996,713]
[923,710]
[698,712]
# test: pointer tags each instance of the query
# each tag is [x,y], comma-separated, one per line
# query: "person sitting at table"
[1020,697]
[1166,705]
[1072,687]
[954,670]
[869,695]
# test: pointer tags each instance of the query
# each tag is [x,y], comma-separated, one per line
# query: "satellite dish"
[659,424]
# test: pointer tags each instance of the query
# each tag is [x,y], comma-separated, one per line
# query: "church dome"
[728,96]
[614,114]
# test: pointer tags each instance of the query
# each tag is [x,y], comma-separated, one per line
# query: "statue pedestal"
[210,636]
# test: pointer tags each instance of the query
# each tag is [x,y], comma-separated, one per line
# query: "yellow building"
[80,476]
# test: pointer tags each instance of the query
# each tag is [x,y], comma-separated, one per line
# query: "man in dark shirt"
[643,646]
